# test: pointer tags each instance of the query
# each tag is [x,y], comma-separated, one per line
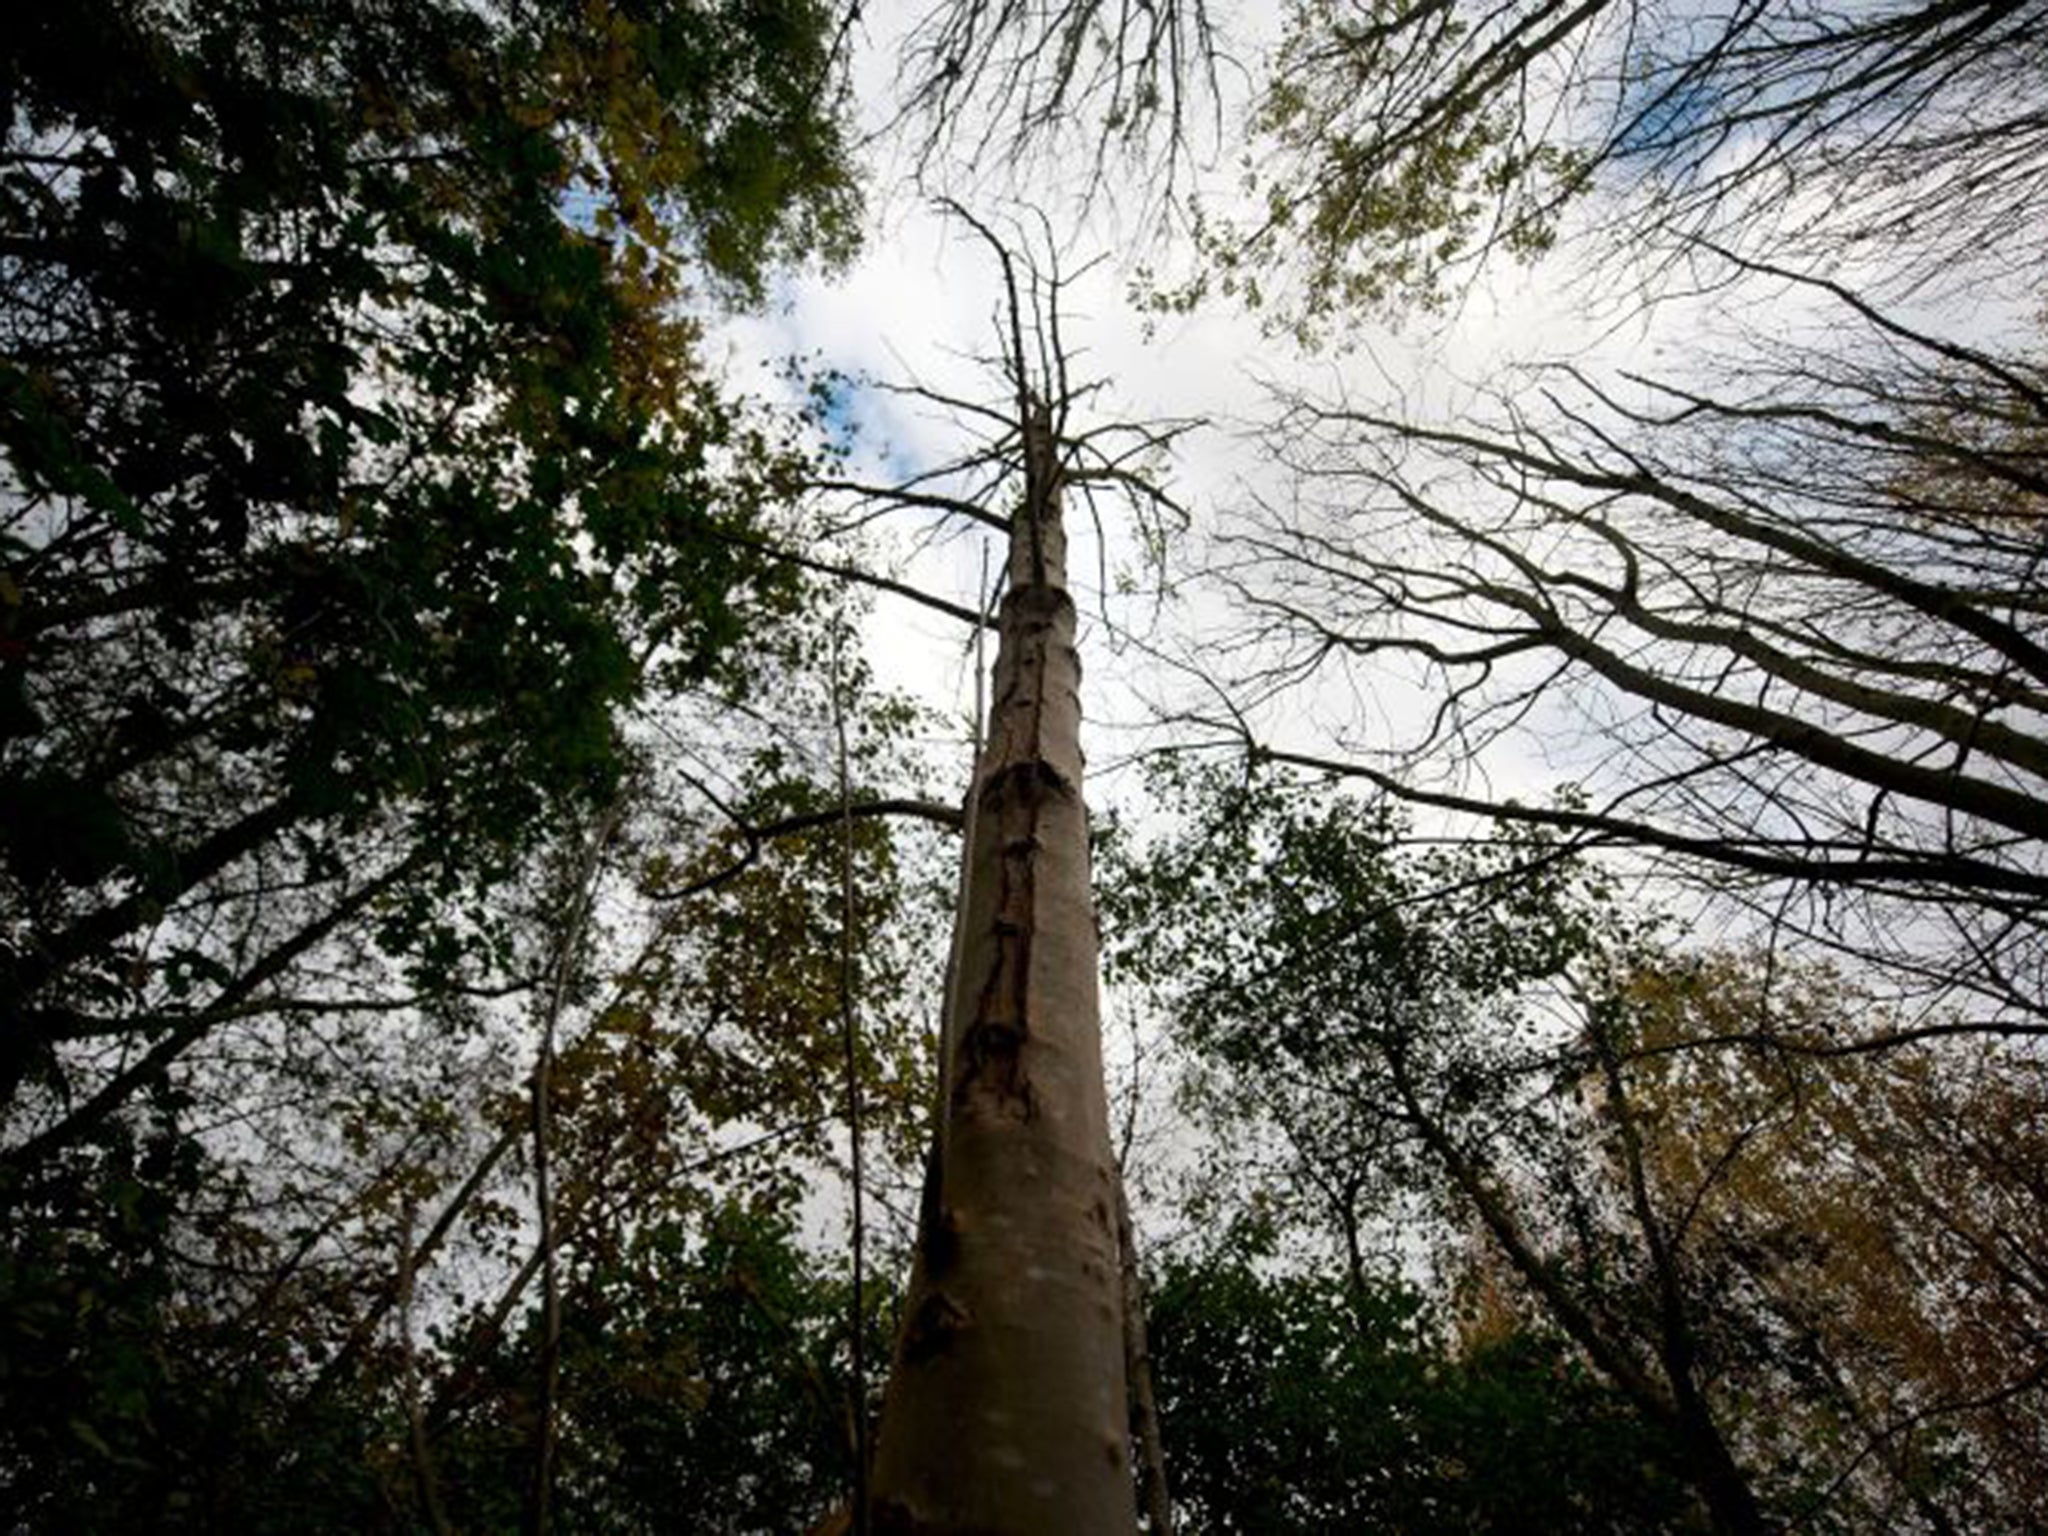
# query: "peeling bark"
[1006,1410]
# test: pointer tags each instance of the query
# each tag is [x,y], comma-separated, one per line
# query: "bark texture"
[1005,1412]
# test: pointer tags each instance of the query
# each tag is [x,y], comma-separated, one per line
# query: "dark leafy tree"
[360,492]
[704,1379]
[1474,1042]
[1875,1211]
[308,1324]
[357,466]
[1348,1409]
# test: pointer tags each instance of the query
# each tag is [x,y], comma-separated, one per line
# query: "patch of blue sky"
[1702,69]
[1660,112]
[579,205]
[855,417]
[1669,81]
[838,396]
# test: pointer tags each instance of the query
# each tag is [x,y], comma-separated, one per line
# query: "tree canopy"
[359,470]
[365,489]
[475,855]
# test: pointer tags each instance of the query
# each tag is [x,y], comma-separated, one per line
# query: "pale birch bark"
[1006,1409]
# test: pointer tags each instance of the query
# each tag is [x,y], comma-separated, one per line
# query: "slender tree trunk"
[1730,1501]
[1151,1442]
[1731,1504]
[416,1424]
[1006,1409]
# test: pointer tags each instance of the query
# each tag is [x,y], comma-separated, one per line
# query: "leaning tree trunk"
[1005,1410]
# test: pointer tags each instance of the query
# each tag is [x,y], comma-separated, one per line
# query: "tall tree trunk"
[1005,1410]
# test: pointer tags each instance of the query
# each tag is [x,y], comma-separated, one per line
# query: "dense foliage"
[358,467]
[370,532]
[1348,1410]
[1793,1265]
